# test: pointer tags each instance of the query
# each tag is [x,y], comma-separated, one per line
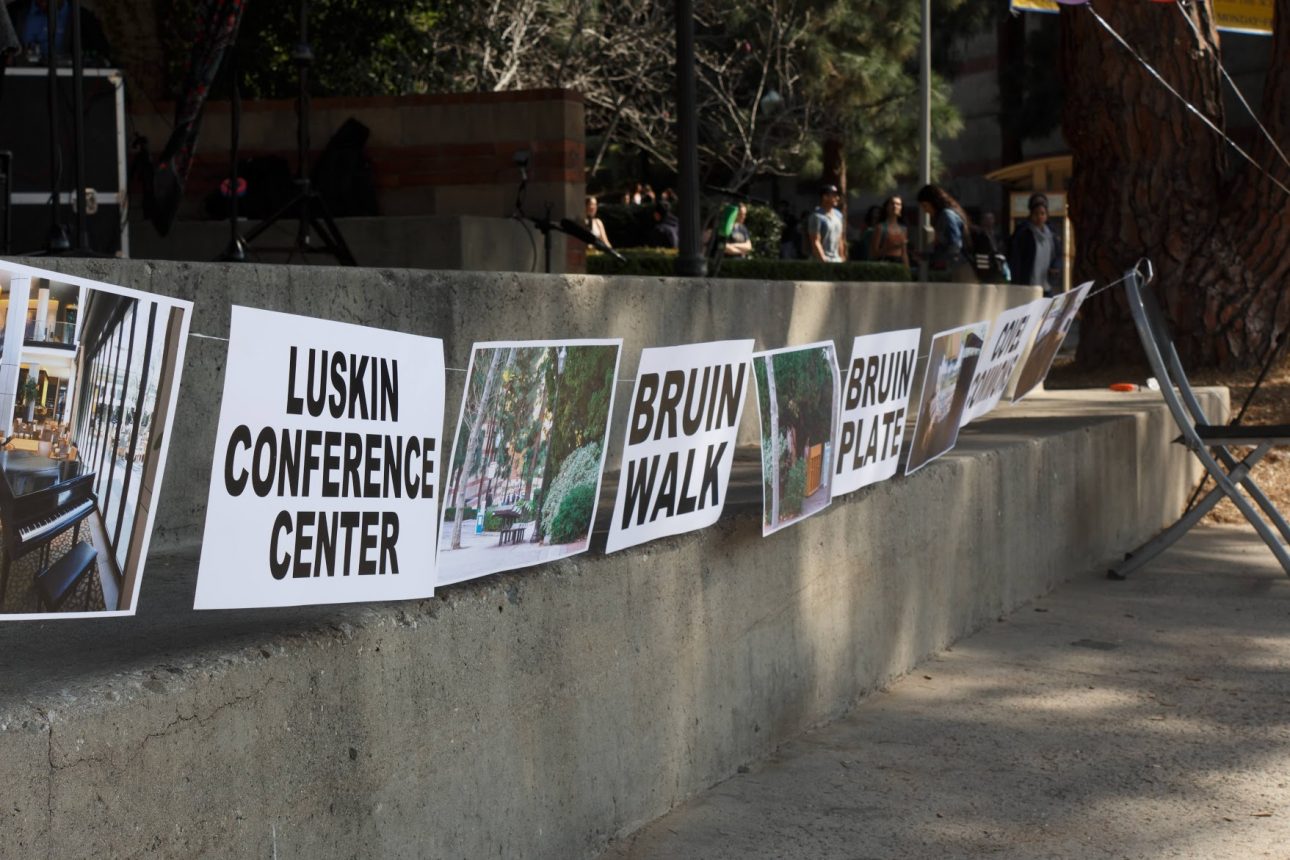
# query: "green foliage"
[450,513]
[794,489]
[580,467]
[765,227]
[573,520]
[804,389]
[663,263]
[579,401]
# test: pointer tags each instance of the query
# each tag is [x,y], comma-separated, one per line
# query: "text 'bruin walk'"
[679,404]
[333,464]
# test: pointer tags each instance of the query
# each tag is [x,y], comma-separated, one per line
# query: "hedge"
[662,262]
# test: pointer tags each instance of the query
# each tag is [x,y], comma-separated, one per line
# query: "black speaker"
[25,134]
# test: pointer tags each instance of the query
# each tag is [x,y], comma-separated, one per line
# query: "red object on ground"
[1123,386]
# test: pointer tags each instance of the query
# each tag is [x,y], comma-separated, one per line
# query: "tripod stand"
[308,206]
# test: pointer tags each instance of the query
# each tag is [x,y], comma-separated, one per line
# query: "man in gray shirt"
[826,229]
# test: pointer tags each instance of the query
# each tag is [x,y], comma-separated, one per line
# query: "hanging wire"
[1235,89]
[1192,108]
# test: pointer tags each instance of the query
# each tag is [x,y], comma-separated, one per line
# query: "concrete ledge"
[540,713]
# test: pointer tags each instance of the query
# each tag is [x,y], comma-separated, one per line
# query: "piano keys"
[40,499]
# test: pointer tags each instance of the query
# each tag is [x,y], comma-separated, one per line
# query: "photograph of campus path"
[526,463]
[1053,329]
[797,404]
[950,367]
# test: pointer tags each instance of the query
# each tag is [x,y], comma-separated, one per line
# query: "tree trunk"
[1152,180]
[472,443]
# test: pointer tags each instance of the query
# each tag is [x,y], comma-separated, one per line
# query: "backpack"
[990,266]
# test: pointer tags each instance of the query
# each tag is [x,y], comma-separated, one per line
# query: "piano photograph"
[94,370]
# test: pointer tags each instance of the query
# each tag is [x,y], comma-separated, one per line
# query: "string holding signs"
[951,364]
[1053,328]
[1009,337]
[875,403]
[797,406]
[1234,16]
[528,456]
[680,440]
[324,485]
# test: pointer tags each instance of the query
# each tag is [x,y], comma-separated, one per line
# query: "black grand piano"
[40,498]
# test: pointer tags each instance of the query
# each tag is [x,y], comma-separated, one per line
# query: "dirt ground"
[1271,405]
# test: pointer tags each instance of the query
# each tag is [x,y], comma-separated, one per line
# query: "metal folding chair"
[1209,442]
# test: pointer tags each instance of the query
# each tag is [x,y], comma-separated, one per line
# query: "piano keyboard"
[55,522]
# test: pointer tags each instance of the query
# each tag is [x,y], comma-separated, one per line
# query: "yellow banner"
[1237,16]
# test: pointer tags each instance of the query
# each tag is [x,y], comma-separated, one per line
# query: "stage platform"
[542,712]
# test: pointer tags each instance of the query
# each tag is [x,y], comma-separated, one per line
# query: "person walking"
[1032,254]
[890,241]
[952,248]
[826,230]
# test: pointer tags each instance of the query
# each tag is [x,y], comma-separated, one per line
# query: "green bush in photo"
[582,466]
[794,490]
[573,520]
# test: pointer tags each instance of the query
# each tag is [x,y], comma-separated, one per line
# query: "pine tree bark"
[1151,180]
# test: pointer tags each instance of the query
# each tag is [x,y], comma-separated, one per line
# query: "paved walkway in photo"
[1139,719]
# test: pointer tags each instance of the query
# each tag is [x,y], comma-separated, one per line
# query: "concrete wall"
[537,714]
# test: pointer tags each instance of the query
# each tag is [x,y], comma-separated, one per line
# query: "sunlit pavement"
[1139,719]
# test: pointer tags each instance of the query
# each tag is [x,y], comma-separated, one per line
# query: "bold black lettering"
[371,463]
[304,542]
[337,399]
[906,372]
[853,383]
[846,441]
[692,418]
[367,541]
[316,400]
[897,432]
[712,474]
[427,468]
[313,438]
[732,394]
[389,537]
[325,553]
[870,379]
[640,488]
[392,468]
[331,461]
[294,404]
[871,450]
[281,523]
[667,490]
[263,483]
[240,437]
[289,462]
[357,395]
[686,503]
[410,474]
[350,484]
[643,409]
[389,390]
[673,387]
[348,521]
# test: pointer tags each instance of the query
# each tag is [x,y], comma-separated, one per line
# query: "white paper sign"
[875,403]
[680,440]
[1053,327]
[1009,338]
[324,487]
[797,407]
[526,465]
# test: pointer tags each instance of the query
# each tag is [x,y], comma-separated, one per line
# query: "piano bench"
[55,583]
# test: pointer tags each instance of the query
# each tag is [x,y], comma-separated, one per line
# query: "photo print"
[797,405]
[951,363]
[1053,328]
[88,380]
[680,440]
[326,465]
[524,475]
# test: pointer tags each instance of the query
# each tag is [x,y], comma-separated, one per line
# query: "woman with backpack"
[952,250]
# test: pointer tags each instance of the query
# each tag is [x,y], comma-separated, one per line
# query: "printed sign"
[951,363]
[1234,16]
[324,487]
[875,402]
[1009,337]
[680,441]
[525,473]
[88,379]
[797,405]
[1053,327]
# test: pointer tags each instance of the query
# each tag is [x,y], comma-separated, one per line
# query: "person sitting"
[667,230]
[740,242]
[594,224]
